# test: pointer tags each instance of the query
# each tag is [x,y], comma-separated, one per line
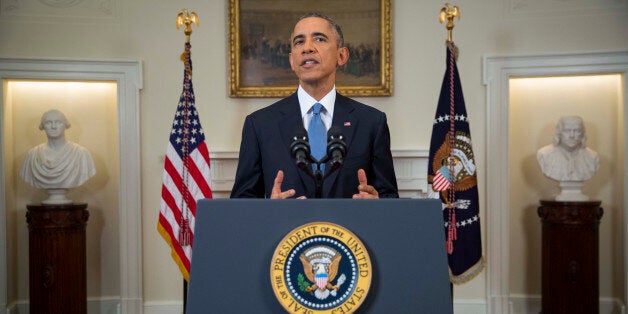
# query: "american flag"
[186,175]
[451,157]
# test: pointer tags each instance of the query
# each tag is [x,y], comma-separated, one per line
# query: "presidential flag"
[186,175]
[452,177]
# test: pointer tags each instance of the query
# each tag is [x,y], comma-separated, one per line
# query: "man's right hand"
[276,192]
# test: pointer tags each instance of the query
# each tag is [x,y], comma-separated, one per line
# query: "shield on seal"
[321,281]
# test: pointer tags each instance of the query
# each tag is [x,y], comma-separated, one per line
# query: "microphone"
[336,147]
[300,149]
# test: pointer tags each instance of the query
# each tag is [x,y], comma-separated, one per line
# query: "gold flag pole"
[187,18]
[448,13]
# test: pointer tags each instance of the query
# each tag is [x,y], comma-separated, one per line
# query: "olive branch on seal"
[303,284]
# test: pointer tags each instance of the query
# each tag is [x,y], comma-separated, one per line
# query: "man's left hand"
[365,190]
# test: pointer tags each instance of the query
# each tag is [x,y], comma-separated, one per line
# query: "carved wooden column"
[570,261]
[57,260]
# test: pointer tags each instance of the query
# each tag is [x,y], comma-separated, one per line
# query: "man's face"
[315,52]
[53,125]
[571,135]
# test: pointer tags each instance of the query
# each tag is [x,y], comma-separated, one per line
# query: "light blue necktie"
[317,133]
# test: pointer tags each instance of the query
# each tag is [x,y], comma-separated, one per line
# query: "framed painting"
[259,45]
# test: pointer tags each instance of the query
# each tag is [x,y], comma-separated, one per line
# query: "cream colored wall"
[536,104]
[91,109]
[144,29]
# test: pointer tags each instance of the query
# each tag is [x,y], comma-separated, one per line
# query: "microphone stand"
[315,174]
[318,181]
[318,176]
[336,151]
[335,146]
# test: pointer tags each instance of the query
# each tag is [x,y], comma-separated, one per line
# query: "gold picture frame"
[259,43]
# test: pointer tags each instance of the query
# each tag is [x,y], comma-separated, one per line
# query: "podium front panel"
[235,240]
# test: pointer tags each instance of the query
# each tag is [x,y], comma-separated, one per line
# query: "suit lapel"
[289,124]
[347,122]
[290,120]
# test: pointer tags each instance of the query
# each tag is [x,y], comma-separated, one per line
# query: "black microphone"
[300,149]
[336,147]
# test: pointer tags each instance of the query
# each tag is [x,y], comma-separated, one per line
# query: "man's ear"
[343,56]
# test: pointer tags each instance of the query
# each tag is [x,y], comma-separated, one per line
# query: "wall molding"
[497,71]
[61,11]
[557,8]
[410,168]
[128,75]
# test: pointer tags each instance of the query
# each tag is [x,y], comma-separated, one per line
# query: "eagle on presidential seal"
[461,160]
[320,265]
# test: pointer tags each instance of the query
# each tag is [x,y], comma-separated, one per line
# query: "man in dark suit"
[266,165]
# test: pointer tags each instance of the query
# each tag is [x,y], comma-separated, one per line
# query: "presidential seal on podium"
[320,267]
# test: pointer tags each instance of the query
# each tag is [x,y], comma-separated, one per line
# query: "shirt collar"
[306,101]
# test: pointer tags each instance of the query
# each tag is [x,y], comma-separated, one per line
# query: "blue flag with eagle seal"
[452,177]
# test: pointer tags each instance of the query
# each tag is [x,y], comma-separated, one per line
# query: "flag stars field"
[445,118]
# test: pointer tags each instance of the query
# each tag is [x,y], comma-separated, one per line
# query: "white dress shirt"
[306,102]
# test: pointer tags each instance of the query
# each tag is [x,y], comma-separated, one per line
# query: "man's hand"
[276,193]
[364,190]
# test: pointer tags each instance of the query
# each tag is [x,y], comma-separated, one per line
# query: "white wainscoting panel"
[524,304]
[410,168]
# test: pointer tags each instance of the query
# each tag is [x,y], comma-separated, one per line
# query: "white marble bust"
[57,164]
[567,159]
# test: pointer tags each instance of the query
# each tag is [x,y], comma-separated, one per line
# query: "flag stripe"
[203,154]
[174,197]
[440,182]
[170,220]
[176,184]
[175,255]
[172,210]
[198,186]
[176,249]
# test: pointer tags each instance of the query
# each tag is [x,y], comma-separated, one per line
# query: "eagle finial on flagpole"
[448,13]
[187,18]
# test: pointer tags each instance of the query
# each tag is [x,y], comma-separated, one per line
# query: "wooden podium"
[570,261]
[57,260]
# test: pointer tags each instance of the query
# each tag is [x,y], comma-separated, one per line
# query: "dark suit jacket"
[265,149]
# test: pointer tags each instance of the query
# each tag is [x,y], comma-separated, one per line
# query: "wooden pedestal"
[57,260]
[570,260]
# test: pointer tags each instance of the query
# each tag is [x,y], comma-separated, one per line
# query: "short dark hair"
[340,41]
